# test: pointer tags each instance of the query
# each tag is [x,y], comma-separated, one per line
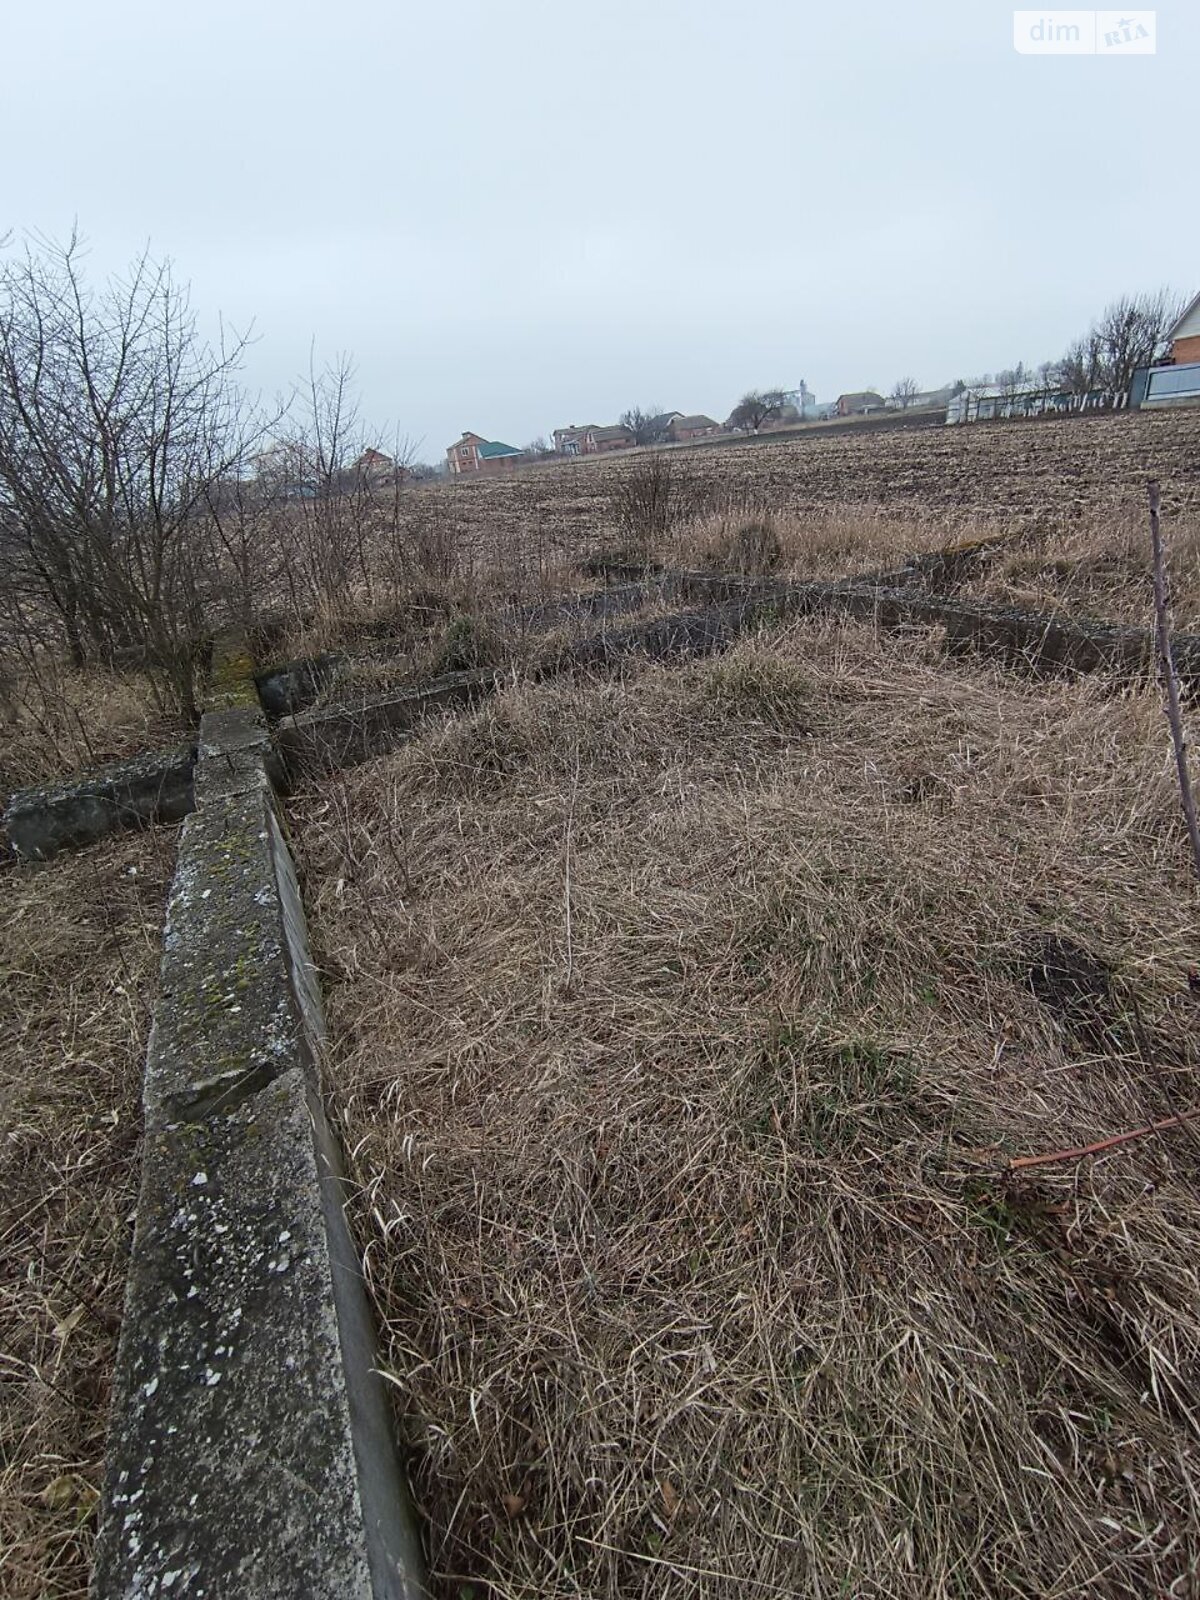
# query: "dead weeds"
[681,1026]
[59,721]
[79,952]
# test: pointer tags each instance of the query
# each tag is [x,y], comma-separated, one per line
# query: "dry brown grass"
[830,542]
[1097,568]
[1100,568]
[680,1027]
[471,641]
[997,475]
[79,950]
[472,570]
[59,721]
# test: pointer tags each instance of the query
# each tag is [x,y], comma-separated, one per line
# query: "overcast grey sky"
[520,215]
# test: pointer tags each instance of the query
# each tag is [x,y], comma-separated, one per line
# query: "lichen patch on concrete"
[251,1452]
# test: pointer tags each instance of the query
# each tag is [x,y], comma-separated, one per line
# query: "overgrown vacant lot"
[682,1029]
[1066,500]
[994,472]
[79,950]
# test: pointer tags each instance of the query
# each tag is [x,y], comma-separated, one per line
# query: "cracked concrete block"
[236,1468]
[236,754]
[251,1453]
[157,787]
[227,1017]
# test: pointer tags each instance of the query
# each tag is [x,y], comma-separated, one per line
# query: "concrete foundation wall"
[128,794]
[337,736]
[251,1453]
[1033,639]
[159,787]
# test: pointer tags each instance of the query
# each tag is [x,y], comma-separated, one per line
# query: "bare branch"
[1170,678]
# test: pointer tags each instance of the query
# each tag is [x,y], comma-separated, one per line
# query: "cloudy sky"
[521,215]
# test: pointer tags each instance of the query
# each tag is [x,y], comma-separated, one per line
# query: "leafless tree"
[756,408]
[251,562]
[1082,367]
[323,508]
[117,422]
[905,392]
[1014,380]
[1132,333]
[647,424]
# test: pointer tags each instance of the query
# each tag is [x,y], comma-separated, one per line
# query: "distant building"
[572,441]
[589,439]
[681,429]
[379,470]
[1185,335]
[660,425]
[616,437]
[923,400]
[985,402]
[1175,381]
[859,404]
[473,453]
[802,401]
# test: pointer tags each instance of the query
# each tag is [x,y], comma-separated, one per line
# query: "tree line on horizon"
[1130,333]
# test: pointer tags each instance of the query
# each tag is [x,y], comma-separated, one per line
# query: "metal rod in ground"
[1170,680]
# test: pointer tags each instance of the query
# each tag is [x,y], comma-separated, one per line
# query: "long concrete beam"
[158,787]
[251,1455]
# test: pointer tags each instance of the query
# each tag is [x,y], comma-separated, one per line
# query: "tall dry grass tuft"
[79,952]
[54,720]
[1098,567]
[742,541]
[681,1025]
[824,541]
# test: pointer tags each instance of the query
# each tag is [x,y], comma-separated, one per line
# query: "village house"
[473,453]
[1174,381]
[588,439]
[378,469]
[681,429]
[1185,335]
[616,437]
[572,441]
[859,404]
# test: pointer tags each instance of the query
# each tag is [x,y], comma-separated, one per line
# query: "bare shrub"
[427,544]
[55,719]
[117,423]
[324,503]
[652,496]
